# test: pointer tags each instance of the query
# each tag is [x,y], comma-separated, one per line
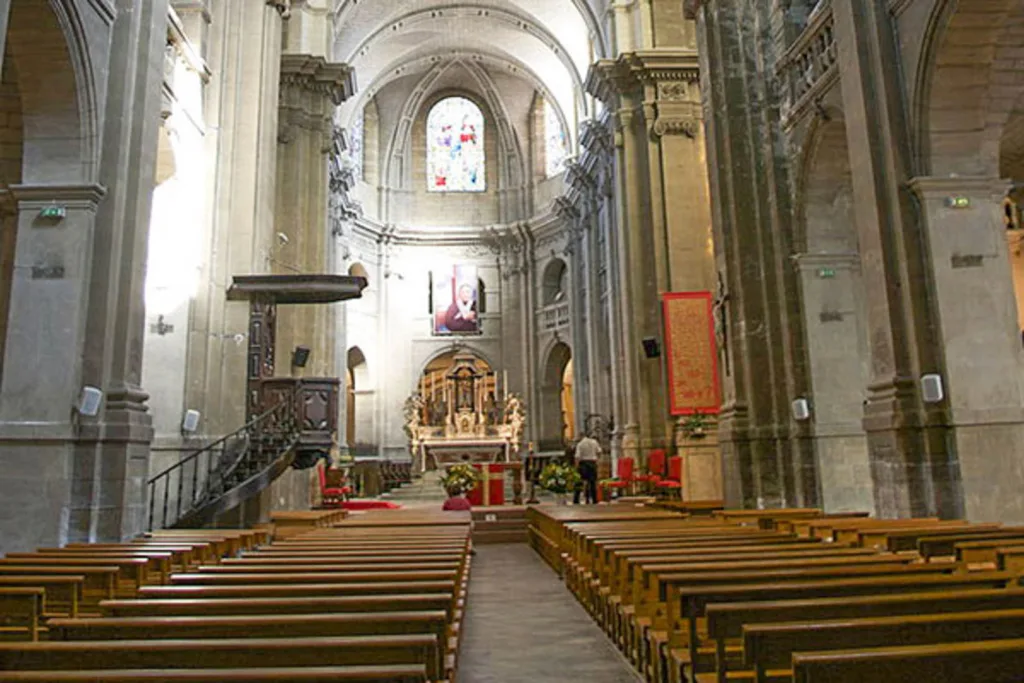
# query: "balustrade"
[810,63]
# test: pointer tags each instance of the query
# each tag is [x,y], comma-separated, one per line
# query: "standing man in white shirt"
[588,451]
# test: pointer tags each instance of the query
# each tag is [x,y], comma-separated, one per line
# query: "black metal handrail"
[271,432]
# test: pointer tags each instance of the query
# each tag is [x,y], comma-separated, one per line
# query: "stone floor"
[523,626]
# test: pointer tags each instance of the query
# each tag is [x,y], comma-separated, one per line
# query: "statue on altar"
[413,413]
[463,420]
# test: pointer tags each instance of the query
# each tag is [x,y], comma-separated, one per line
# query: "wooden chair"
[333,496]
[673,485]
[655,469]
[624,478]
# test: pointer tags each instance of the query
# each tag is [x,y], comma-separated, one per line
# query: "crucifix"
[721,314]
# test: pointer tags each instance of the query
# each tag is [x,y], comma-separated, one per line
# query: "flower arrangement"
[695,426]
[460,478]
[558,478]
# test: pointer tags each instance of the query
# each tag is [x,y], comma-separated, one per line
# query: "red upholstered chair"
[624,478]
[333,496]
[655,469]
[673,486]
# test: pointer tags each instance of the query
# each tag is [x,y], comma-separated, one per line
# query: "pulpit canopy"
[296,288]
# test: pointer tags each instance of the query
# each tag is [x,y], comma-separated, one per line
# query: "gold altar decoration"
[466,424]
[692,357]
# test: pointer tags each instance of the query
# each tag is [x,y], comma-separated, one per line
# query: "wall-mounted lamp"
[300,356]
[801,410]
[190,423]
[89,401]
[931,388]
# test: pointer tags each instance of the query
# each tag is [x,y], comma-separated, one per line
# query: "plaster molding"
[74,196]
[938,187]
[333,80]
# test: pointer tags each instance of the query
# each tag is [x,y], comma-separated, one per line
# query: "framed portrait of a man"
[455,301]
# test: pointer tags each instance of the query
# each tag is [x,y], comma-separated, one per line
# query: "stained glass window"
[556,147]
[355,146]
[455,147]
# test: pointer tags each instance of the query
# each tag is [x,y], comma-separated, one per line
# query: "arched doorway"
[557,418]
[834,318]
[359,423]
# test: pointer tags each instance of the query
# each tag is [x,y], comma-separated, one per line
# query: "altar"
[463,421]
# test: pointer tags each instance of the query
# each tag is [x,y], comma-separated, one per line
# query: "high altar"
[466,423]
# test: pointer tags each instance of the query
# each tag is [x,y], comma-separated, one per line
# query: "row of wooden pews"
[794,595]
[378,597]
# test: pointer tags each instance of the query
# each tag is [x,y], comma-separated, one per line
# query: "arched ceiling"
[548,42]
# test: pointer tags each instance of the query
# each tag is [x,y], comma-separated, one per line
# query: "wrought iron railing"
[239,463]
[810,62]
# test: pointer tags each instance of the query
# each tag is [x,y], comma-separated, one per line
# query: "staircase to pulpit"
[291,422]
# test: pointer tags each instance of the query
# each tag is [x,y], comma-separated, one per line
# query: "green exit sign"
[826,273]
[958,202]
[53,212]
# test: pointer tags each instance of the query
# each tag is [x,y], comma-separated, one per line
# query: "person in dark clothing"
[588,451]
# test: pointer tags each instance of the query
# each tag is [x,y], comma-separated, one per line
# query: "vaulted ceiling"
[546,43]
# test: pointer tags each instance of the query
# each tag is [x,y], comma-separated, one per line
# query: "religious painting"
[455,147]
[455,293]
[692,356]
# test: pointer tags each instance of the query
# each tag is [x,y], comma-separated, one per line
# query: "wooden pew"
[197,579]
[769,648]
[291,605]
[687,603]
[997,661]
[63,593]
[21,609]
[983,552]
[944,546]
[100,582]
[364,674]
[132,572]
[158,566]
[220,653]
[273,590]
[725,622]
[1010,559]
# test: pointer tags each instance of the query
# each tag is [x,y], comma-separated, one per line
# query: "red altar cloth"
[491,490]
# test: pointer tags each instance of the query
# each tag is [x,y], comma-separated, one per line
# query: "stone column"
[983,371]
[664,233]
[111,467]
[311,88]
[42,370]
[913,472]
[242,111]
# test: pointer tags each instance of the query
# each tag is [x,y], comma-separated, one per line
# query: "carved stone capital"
[283,7]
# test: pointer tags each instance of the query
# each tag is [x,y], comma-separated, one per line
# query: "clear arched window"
[455,147]
[556,147]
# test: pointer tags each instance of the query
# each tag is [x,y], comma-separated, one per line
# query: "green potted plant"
[559,479]
[461,478]
[695,425]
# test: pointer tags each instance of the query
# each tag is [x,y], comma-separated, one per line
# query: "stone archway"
[554,430]
[834,319]
[966,98]
[969,85]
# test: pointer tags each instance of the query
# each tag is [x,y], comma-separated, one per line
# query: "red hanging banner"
[692,353]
